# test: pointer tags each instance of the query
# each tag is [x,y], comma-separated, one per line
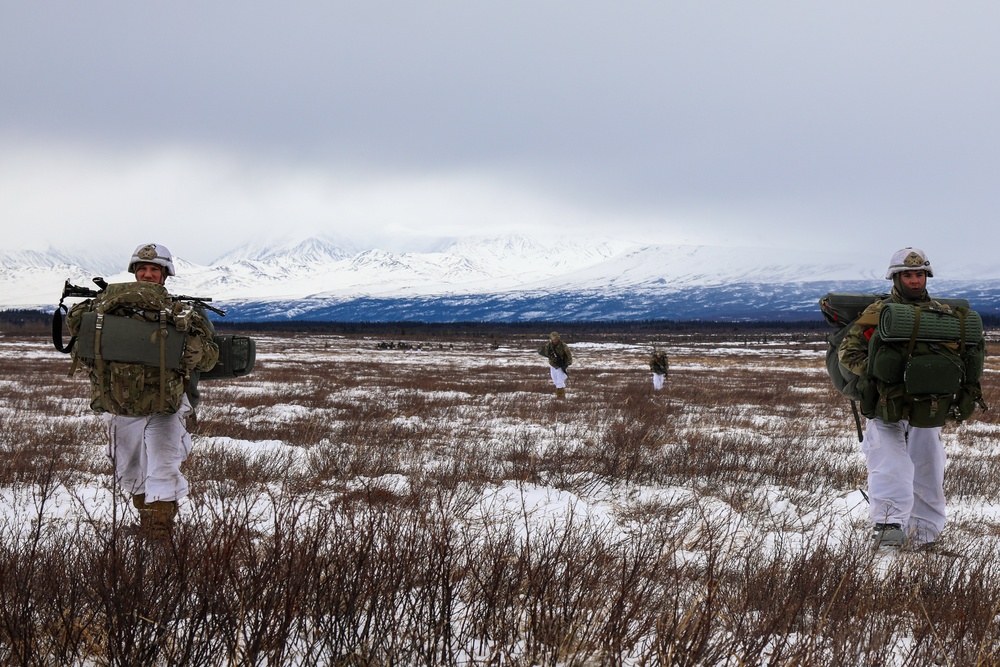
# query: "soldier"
[559,358]
[905,462]
[146,420]
[659,364]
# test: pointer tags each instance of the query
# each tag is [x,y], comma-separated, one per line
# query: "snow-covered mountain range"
[502,278]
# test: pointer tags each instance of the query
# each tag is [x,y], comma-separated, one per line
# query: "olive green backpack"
[924,365]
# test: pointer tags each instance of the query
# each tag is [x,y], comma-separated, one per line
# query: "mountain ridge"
[510,276]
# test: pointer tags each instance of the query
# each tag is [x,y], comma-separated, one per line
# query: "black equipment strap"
[57,325]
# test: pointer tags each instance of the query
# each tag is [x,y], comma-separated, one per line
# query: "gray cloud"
[768,122]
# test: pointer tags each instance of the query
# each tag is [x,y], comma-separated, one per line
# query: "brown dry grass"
[355,505]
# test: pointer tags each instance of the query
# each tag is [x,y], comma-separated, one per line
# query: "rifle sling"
[57,326]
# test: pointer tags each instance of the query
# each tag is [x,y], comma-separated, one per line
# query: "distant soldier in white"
[559,358]
[918,363]
[660,365]
[145,401]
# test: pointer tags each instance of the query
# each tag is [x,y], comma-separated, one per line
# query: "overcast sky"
[771,123]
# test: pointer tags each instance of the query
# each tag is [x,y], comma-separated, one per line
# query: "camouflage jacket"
[558,354]
[853,352]
[659,363]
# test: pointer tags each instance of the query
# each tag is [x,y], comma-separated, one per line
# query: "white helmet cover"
[909,259]
[152,253]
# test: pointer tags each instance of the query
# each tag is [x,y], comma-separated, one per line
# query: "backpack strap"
[913,334]
[99,360]
[163,359]
[961,330]
[857,420]
[909,352]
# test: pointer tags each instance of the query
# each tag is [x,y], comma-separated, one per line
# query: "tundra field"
[426,500]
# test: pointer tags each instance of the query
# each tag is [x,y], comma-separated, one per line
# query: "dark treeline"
[40,322]
[25,321]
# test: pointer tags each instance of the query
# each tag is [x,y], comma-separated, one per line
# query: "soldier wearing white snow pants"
[145,402]
[659,363]
[560,357]
[902,441]
[906,478]
[147,453]
[558,376]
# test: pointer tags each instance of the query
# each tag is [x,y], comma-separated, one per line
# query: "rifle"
[563,366]
[200,301]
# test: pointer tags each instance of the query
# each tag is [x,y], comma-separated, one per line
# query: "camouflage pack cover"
[136,372]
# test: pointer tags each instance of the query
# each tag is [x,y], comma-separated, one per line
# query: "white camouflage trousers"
[658,381]
[906,477]
[147,453]
[558,377]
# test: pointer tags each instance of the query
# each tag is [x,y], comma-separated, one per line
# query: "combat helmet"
[909,259]
[152,253]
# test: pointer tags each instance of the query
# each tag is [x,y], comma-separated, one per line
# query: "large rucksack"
[141,346]
[924,363]
[841,310]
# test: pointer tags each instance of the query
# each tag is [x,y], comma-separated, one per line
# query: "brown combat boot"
[162,520]
[560,393]
[156,519]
